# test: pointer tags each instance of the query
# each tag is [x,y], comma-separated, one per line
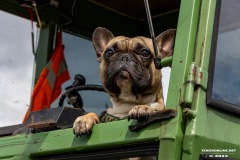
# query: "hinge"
[197,77]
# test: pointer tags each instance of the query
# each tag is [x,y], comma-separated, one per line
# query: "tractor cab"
[203,85]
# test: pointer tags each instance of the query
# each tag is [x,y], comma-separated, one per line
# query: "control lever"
[74,98]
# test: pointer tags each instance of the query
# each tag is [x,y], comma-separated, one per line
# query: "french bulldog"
[129,76]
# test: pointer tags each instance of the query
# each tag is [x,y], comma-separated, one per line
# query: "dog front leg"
[84,124]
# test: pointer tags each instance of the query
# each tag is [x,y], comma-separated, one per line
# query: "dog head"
[126,64]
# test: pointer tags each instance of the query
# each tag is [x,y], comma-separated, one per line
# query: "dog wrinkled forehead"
[126,44]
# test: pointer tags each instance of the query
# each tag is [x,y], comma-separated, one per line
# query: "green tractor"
[204,85]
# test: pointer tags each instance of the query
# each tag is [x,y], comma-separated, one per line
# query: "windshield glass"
[226,82]
[81,59]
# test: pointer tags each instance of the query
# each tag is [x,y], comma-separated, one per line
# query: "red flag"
[48,86]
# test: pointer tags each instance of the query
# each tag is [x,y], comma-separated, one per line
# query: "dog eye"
[145,53]
[108,53]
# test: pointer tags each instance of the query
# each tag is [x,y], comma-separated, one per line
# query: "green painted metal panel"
[18,157]
[183,50]
[172,136]
[104,135]
[211,128]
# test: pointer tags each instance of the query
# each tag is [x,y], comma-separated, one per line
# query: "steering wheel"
[74,98]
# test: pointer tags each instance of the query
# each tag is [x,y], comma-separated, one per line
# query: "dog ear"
[165,43]
[101,37]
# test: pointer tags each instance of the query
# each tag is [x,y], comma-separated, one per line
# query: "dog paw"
[84,124]
[140,112]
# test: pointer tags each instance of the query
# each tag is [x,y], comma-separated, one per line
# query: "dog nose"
[125,58]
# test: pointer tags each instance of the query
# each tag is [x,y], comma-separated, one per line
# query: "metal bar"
[45,49]
[188,95]
[166,62]
[183,56]
[151,27]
